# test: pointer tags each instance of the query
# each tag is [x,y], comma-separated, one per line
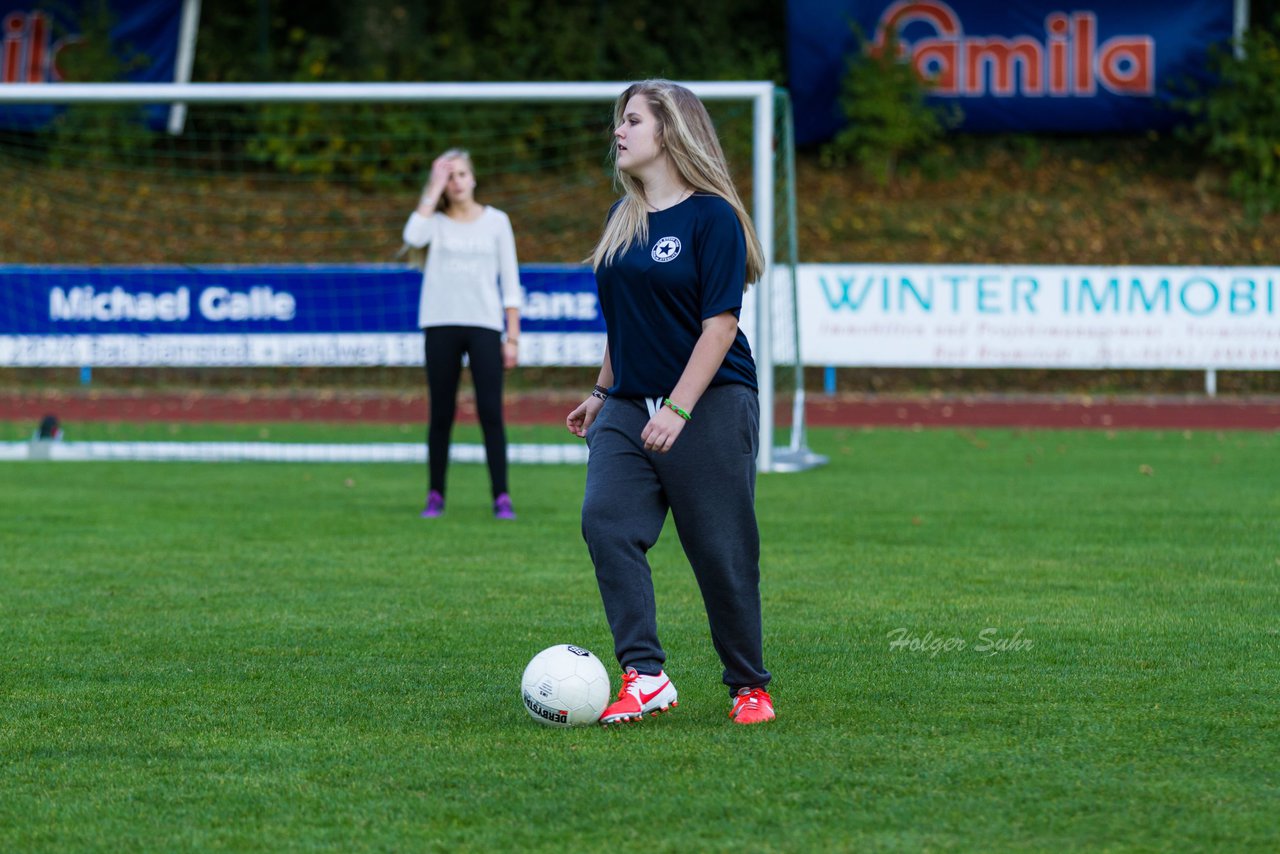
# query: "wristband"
[600,392]
[675,407]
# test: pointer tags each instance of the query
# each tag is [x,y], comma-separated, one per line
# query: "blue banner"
[264,315]
[1013,65]
[51,300]
[41,37]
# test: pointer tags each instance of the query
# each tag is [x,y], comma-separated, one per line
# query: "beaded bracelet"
[675,407]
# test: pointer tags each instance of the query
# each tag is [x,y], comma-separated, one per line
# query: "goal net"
[232,253]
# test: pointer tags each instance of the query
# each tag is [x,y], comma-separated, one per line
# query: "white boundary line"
[276,452]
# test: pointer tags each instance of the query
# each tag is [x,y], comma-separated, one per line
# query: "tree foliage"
[889,115]
[1236,120]
[494,40]
[462,40]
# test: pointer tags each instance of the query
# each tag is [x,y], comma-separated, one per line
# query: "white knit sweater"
[471,274]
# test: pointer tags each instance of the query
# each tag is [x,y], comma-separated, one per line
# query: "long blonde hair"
[685,128]
[416,256]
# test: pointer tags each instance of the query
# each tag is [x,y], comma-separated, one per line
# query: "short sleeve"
[722,261]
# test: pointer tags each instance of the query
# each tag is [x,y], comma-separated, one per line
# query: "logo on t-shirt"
[666,249]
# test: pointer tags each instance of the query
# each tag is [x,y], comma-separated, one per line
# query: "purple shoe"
[435,505]
[502,508]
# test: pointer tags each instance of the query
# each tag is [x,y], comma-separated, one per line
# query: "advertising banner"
[965,316]
[271,315]
[41,38]
[861,315]
[1014,65]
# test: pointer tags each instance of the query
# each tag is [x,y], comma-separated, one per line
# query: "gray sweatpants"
[707,481]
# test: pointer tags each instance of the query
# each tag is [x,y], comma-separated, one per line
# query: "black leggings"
[445,346]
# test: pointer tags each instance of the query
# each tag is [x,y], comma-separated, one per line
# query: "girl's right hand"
[580,419]
[440,169]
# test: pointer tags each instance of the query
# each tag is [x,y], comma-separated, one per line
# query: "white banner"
[343,349]
[974,316]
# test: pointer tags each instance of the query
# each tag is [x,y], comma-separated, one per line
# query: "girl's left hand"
[662,431]
[510,353]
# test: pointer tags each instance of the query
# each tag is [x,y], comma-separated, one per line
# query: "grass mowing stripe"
[987,639]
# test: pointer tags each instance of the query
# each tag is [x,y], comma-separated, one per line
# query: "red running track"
[1044,412]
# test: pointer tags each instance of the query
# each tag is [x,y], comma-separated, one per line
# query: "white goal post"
[758,315]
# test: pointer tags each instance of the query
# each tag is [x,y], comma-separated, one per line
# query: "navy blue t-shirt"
[654,297]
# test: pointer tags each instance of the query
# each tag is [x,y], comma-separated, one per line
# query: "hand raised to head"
[441,168]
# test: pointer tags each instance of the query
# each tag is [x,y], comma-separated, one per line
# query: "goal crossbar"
[235,93]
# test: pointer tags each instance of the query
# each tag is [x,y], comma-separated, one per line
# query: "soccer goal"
[242,242]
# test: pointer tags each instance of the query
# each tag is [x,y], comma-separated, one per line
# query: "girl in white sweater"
[471,296]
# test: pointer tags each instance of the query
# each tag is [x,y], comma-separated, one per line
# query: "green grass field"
[990,640]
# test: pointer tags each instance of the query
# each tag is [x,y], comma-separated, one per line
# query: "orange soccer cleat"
[752,706]
[640,695]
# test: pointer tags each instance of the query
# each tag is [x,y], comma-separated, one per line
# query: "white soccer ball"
[565,685]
